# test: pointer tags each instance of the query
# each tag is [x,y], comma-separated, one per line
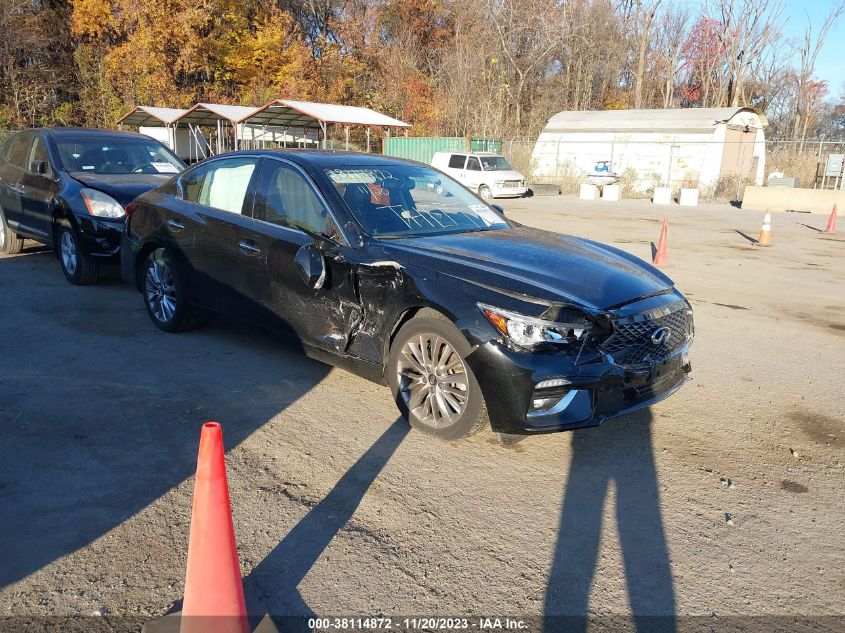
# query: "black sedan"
[68,187]
[393,270]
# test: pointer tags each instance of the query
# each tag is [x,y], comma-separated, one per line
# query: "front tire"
[164,292]
[484,193]
[431,382]
[10,242]
[76,265]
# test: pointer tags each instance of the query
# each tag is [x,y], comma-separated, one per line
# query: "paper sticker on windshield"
[165,168]
[485,213]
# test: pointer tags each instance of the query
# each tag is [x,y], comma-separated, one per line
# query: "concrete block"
[786,199]
[688,198]
[589,192]
[662,195]
[611,193]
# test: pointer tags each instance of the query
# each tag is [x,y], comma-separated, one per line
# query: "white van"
[486,173]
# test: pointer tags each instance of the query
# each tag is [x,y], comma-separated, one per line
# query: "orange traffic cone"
[213,585]
[831,222]
[765,238]
[661,257]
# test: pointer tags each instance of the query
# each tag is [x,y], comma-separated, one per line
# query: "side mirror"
[38,167]
[311,266]
[498,208]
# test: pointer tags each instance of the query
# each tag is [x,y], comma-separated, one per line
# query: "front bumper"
[100,237]
[508,192]
[595,391]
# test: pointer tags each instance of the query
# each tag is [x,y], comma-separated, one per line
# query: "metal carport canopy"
[307,114]
[149,116]
[211,113]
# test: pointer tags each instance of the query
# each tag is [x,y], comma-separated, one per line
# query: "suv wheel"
[484,193]
[10,243]
[164,292]
[431,382]
[76,265]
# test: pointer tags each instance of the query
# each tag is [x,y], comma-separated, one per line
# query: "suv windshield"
[411,201]
[495,163]
[117,156]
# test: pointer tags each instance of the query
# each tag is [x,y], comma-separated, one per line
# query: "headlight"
[500,183]
[528,331]
[101,205]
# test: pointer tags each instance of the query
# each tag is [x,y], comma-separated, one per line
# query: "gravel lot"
[340,510]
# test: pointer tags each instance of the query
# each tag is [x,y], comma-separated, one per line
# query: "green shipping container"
[486,145]
[423,148]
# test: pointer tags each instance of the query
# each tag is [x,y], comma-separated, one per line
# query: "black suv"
[68,188]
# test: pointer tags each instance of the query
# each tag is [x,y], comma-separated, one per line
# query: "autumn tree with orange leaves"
[493,68]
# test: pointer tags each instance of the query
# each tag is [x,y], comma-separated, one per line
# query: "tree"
[809,51]
[645,12]
[672,33]
[748,29]
[527,32]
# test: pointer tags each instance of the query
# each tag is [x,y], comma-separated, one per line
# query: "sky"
[830,65]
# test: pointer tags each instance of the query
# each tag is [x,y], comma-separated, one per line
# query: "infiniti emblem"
[660,335]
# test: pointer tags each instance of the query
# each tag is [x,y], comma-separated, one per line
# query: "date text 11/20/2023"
[416,624]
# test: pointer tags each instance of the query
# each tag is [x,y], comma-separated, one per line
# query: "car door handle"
[249,247]
[175,226]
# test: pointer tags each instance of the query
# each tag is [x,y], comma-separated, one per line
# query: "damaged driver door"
[293,272]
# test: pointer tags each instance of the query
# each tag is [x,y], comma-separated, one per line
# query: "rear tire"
[164,292]
[431,382]
[10,242]
[76,265]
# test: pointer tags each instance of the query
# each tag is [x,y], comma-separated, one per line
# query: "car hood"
[122,187]
[535,263]
[505,175]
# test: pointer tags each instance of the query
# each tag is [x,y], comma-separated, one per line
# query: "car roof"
[464,152]
[329,158]
[79,132]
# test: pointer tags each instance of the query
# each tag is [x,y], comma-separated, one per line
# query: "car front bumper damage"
[585,394]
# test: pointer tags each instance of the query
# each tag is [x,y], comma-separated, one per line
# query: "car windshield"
[117,156]
[495,163]
[411,201]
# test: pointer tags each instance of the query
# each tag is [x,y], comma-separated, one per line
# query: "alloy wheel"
[432,380]
[67,249]
[160,291]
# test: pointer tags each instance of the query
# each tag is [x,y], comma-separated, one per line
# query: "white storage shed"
[672,147]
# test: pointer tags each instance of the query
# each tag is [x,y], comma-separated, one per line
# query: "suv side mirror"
[311,266]
[498,208]
[38,167]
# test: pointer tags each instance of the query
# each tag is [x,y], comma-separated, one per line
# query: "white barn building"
[672,147]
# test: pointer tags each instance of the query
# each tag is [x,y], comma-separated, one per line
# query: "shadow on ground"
[619,453]
[101,412]
[291,560]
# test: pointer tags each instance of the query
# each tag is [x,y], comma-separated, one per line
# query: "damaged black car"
[392,270]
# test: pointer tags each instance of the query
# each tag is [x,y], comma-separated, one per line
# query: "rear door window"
[221,184]
[457,161]
[17,151]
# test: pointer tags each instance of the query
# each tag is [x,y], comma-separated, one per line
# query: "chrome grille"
[513,183]
[631,343]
